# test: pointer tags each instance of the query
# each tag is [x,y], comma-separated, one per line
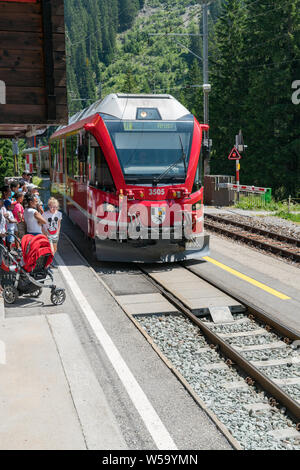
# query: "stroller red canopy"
[33,248]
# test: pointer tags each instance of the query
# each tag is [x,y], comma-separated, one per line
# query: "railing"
[256,196]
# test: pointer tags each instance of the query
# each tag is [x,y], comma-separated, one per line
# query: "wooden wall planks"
[22,64]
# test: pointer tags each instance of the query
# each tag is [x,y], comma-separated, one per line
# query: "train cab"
[128,171]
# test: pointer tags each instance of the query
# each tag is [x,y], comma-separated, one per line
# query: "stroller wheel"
[58,296]
[10,294]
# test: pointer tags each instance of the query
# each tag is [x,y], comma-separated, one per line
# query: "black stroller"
[27,271]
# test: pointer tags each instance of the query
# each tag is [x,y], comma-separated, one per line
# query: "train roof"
[125,106]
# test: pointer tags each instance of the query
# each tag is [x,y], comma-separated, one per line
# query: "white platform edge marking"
[99,425]
[2,309]
[151,419]
[2,344]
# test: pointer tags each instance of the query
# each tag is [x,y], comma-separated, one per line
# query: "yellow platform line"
[255,283]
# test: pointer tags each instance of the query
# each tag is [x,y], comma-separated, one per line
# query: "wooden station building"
[33,91]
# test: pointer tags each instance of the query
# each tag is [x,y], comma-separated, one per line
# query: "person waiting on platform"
[3,220]
[11,224]
[53,217]
[34,191]
[23,186]
[19,215]
[26,176]
[3,226]
[14,189]
[6,193]
[33,219]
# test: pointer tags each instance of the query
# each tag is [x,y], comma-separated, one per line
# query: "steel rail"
[257,375]
[258,230]
[259,313]
[268,245]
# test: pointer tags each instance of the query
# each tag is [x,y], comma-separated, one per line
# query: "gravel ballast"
[224,390]
[266,222]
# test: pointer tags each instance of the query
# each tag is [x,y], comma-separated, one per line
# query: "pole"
[238,167]
[16,165]
[206,82]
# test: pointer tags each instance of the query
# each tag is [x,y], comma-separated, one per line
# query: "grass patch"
[257,203]
[283,214]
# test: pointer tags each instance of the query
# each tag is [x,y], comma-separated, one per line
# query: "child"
[11,225]
[14,189]
[53,218]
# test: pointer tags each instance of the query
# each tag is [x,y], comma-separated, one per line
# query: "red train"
[128,171]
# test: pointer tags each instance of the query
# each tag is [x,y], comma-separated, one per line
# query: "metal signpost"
[235,155]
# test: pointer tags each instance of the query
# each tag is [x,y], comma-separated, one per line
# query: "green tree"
[230,84]
[130,84]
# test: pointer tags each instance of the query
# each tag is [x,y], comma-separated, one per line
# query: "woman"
[33,219]
[19,215]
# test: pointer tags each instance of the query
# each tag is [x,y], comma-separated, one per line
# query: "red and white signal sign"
[234,154]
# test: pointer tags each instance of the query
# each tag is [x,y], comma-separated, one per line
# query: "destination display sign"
[32,64]
[147,126]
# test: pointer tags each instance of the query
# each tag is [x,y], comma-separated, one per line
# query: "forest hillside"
[156,46]
[254,49]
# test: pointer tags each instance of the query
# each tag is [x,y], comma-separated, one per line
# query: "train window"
[198,177]
[72,159]
[62,159]
[100,173]
[69,157]
[53,155]
[57,154]
[152,149]
[75,163]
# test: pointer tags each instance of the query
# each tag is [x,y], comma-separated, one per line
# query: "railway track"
[235,354]
[242,373]
[276,243]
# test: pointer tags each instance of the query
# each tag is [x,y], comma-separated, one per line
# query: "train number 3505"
[157,192]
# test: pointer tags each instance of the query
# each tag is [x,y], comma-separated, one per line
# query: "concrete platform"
[50,398]
[185,421]
[282,305]
[143,304]
[194,293]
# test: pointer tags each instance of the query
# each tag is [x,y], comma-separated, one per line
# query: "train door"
[101,187]
[77,180]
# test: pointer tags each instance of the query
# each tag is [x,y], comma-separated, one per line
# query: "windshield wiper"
[173,165]
[183,157]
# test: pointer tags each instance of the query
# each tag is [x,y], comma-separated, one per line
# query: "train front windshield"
[153,151]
